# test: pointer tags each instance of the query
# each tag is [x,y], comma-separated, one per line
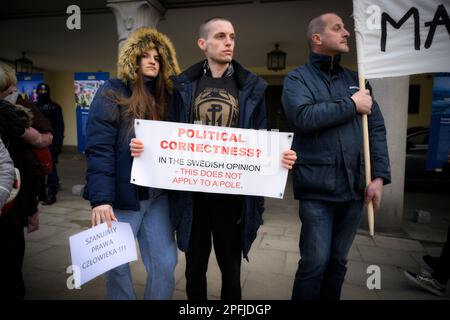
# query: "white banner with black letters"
[402,37]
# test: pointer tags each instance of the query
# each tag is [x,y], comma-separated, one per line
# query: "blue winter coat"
[108,153]
[328,130]
[252,116]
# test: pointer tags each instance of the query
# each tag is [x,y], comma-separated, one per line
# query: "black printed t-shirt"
[216,102]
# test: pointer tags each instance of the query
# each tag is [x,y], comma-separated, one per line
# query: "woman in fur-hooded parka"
[142,90]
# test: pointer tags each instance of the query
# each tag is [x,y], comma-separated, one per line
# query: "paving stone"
[214,284]
[352,292]
[364,240]
[266,261]
[55,209]
[138,272]
[55,259]
[77,203]
[272,230]
[179,295]
[44,232]
[244,276]
[62,238]
[280,220]
[417,256]
[291,264]
[426,232]
[33,248]
[70,222]
[139,291]
[213,276]
[390,277]
[434,251]
[282,205]
[214,280]
[293,232]
[92,290]
[354,253]
[181,284]
[44,284]
[279,243]
[267,286]
[83,224]
[80,214]
[376,255]
[356,273]
[179,270]
[398,243]
[409,292]
[50,218]
[273,258]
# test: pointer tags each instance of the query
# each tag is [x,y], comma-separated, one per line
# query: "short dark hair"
[316,25]
[203,31]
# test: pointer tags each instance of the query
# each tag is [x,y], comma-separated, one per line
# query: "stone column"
[131,15]
[392,97]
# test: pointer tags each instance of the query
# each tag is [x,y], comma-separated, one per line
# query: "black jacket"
[328,132]
[53,112]
[252,116]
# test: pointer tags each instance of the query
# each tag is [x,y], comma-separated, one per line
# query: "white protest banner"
[100,249]
[212,159]
[402,37]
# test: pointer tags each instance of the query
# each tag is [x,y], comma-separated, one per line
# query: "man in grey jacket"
[6,174]
[324,104]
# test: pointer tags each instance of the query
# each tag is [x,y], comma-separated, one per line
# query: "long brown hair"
[144,104]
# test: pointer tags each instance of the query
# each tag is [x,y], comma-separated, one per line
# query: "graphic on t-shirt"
[216,107]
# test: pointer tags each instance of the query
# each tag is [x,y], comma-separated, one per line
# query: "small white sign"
[99,249]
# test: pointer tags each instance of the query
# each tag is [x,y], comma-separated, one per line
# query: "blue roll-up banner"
[86,86]
[27,84]
[439,139]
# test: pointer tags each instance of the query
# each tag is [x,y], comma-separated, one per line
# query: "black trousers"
[442,271]
[216,215]
[12,250]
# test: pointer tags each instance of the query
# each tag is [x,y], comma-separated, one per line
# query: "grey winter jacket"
[6,174]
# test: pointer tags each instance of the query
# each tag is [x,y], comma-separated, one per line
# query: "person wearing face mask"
[142,91]
[52,111]
[39,135]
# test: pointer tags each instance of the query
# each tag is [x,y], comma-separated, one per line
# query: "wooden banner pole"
[367,167]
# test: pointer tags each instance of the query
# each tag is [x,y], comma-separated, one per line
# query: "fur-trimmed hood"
[140,41]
